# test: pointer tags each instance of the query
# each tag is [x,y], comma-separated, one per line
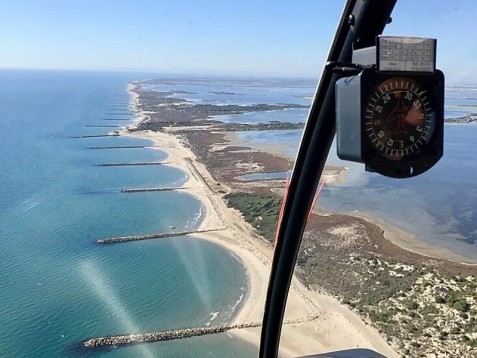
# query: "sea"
[59,287]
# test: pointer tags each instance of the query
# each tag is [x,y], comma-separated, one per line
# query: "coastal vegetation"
[259,210]
[423,306]
[419,308]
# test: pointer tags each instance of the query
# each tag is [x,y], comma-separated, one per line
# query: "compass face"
[399,119]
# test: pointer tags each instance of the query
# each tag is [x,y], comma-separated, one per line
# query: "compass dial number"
[399,118]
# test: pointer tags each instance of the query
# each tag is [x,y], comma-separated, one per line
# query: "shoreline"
[331,174]
[407,241]
[337,327]
[402,238]
[255,256]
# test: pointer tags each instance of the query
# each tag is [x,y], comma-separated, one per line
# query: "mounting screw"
[351,20]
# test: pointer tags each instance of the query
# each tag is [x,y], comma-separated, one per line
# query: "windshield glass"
[147,148]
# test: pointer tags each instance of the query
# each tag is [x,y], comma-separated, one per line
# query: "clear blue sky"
[246,36]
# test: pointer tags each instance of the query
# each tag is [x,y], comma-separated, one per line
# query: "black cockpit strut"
[361,22]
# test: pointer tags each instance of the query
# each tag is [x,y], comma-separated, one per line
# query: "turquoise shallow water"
[57,286]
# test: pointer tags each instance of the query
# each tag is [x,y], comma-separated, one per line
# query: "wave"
[233,307]
[195,221]
[213,316]
[230,312]
[239,300]
[184,178]
[235,257]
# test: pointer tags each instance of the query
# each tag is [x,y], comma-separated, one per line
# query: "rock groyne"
[101,126]
[129,164]
[116,119]
[122,147]
[114,240]
[96,136]
[145,190]
[159,336]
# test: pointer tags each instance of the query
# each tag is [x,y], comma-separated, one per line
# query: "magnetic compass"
[391,122]
[399,118]
[390,112]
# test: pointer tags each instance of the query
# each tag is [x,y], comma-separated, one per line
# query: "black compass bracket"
[390,115]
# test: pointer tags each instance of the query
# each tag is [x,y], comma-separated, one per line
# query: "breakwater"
[129,164]
[96,136]
[145,190]
[115,240]
[122,147]
[101,126]
[116,119]
[159,336]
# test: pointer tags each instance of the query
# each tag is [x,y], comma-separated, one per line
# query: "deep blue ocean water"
[57,286]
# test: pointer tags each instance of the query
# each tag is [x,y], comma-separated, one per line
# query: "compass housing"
[393,122]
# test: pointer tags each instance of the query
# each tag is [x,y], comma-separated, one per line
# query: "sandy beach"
[335,328]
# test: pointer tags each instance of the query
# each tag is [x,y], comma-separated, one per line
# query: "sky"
[289,38]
